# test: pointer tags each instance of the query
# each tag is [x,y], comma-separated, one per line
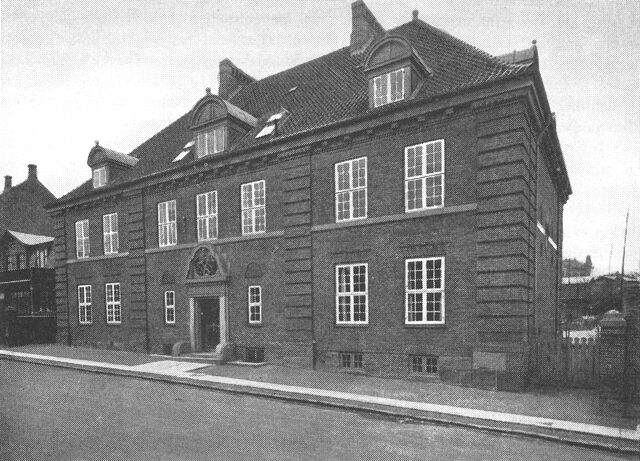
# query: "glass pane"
[360,203]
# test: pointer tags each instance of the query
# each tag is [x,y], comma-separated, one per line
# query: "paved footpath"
[621,439]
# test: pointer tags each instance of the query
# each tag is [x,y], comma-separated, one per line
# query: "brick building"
[27,305]
[393,207]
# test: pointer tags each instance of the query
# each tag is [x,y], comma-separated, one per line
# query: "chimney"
[33,171]
[7,182]
[231,78]
[365,28]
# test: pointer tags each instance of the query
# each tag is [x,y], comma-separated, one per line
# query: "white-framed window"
[211,141]
[254,217]
[170,307]
[100,177]
[114,306]
[255,304]
[424,175]
[207,211]
[427,364]
[351,189]
[167,233]
[42,257]
[82,239]
[84,304]
[110,233]
[388,88]
[424,287]
[352,299]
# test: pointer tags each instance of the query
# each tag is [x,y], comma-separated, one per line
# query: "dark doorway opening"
[209,323]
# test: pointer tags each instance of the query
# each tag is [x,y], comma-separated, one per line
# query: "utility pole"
[624,251]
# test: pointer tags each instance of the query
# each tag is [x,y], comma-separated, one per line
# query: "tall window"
[170,307]
[84,304]
[110,233]
[114,310]
[255,304]
[100,177]
[424,175]
[207,210]
[351,189]
[82,239]
[424,291]
[42,257]
[352,302]
[253,208]
[388,88]
[211,142]
[167,234]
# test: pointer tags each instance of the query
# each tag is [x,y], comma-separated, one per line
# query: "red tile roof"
[330,89]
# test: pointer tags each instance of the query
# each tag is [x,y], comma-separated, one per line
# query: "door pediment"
[207,265]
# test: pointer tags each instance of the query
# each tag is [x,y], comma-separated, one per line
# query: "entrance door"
[209,323]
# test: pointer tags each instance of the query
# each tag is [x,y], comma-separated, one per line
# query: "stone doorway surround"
[208,277]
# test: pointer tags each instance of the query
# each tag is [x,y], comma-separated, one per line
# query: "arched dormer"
[107,164]
[217,124]
[394,70]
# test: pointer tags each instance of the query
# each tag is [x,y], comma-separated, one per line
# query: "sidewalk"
[572,416]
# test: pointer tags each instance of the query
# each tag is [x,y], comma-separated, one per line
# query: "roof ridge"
[459,42]
[302,64]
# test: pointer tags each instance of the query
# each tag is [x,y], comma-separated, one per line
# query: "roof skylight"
[185,150]
[266,131]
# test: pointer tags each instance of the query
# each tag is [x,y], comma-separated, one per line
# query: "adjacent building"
[393,207]
[27,305]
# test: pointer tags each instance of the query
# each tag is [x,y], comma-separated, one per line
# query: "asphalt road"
[62,414]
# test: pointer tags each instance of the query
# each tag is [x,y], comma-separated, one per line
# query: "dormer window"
[107,165]
[217,125]
[395,71]
[211,141]
[388,88]
[99,177]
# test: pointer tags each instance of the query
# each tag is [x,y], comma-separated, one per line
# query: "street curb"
[586,435]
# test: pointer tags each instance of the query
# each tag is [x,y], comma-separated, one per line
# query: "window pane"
[343,206]
[433,191]
[434,307]
[359,279]
[360,308]
[343,173]
[414,307]
[344,308]
[360,203]
[344,279]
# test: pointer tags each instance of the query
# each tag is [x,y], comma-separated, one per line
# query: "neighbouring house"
[393,207]
[571,267]
[27,302]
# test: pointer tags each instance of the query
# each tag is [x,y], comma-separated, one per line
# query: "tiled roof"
[22,208]
[328,89]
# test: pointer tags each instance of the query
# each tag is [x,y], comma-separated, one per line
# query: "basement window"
[423,364]
[254,354]
[351,360]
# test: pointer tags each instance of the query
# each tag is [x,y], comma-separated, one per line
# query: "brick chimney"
[365,28]
[33,171]
[231,78]
[7,182]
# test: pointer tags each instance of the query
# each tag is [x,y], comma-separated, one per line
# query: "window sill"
[98,258]
[436,326]
[396,217]
[351,325]
[114,324]
[254,325]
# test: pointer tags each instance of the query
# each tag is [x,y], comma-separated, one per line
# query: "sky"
[76,71]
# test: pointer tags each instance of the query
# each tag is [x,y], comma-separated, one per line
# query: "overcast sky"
[119,71]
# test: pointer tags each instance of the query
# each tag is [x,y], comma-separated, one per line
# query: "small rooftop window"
[185,151]
[272,123]
[266,131]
